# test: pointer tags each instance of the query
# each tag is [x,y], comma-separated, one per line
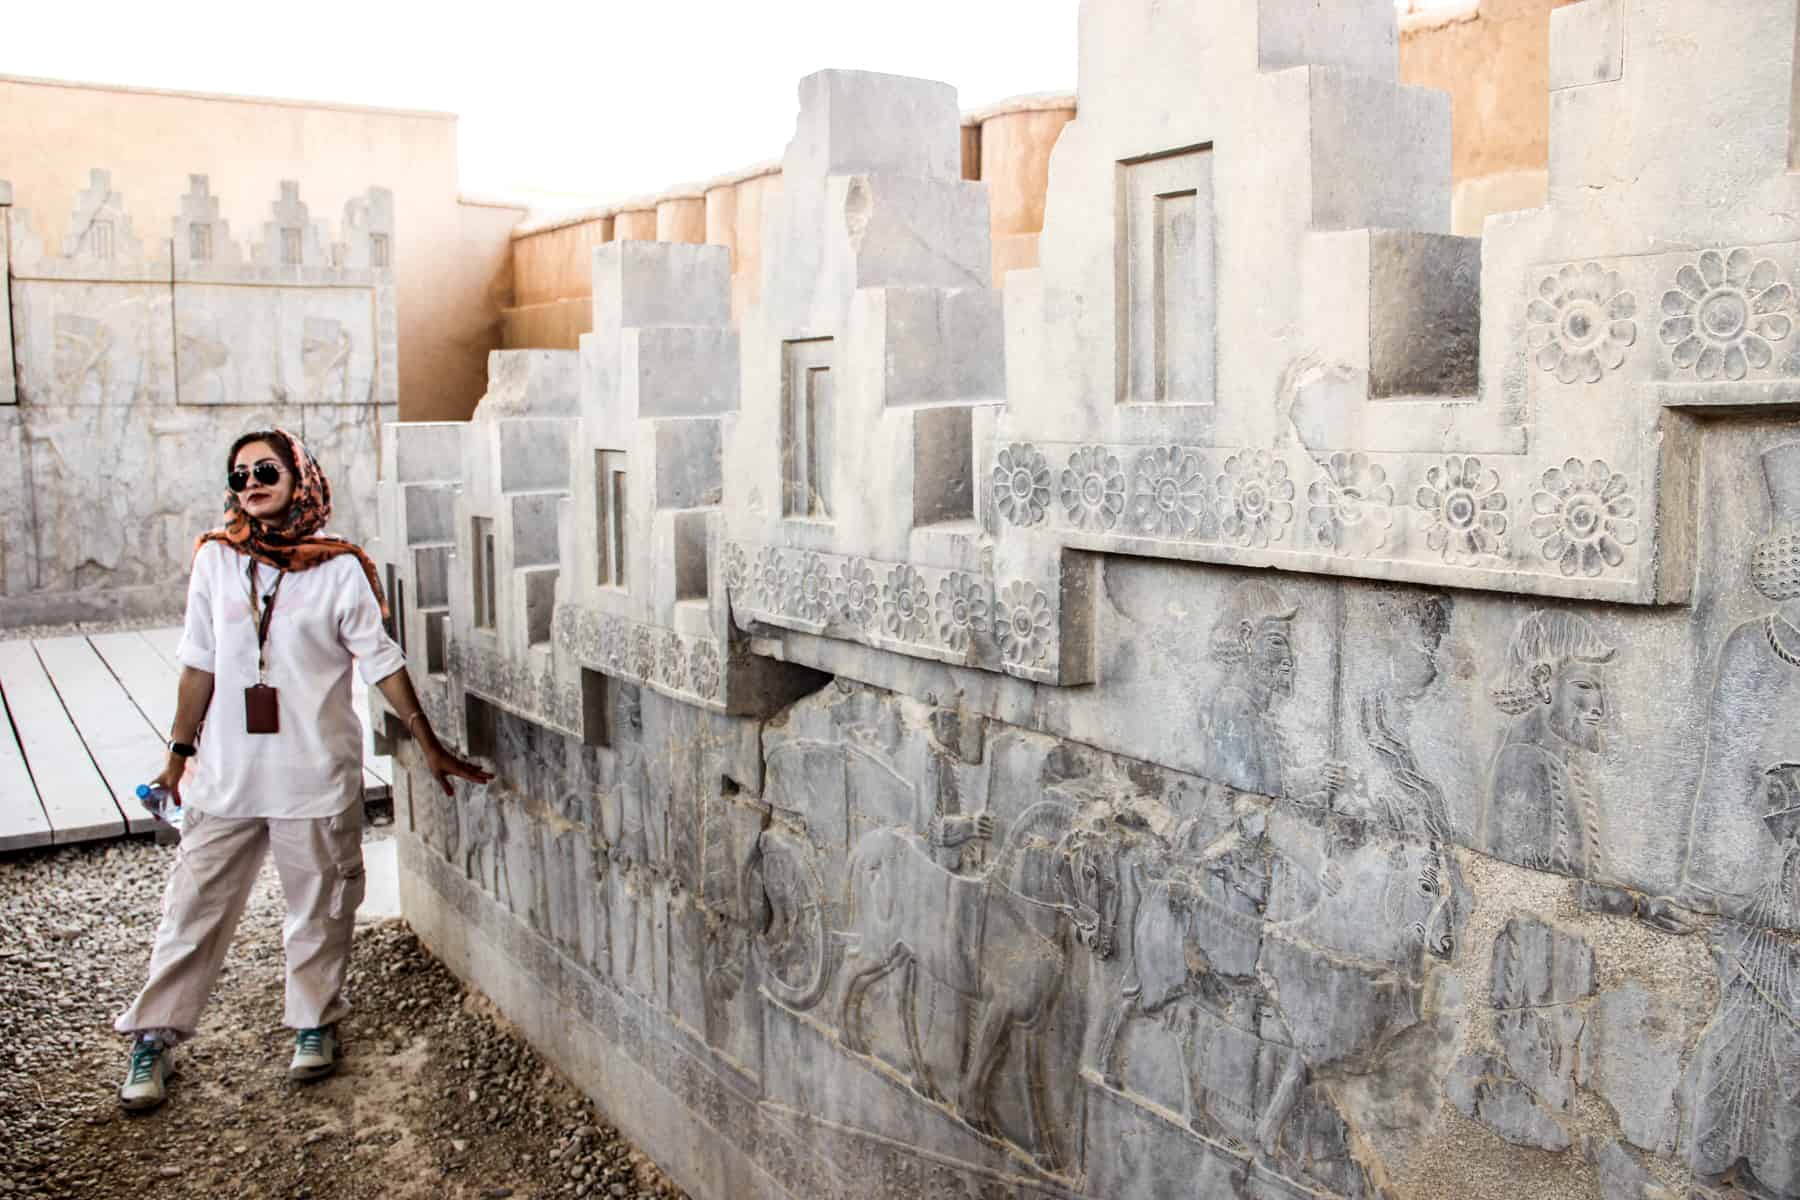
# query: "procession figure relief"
[1541,809]
[1253,639]
[1751,726]
[1399,796]
[1744,862]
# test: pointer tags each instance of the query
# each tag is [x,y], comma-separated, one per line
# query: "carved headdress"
[1775,562]
[1544,644]
[1248,606]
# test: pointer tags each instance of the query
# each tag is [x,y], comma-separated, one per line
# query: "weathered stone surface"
[1540,976]
[1622,1177]
[1483,1088]
[1296,674]
[1631,1051]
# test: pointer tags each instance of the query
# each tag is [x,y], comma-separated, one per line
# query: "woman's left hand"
[442,764]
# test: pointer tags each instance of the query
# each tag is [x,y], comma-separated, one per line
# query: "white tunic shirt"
[324,618]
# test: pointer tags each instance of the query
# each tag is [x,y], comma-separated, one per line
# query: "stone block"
[534,454]
[1587,44]
[428,452]
[430,513]
[688,464]
[1408,187]
[640,285]
[534,528]
[680,371]
[863,123]
[1359,38]
[1424,333]
[939,346]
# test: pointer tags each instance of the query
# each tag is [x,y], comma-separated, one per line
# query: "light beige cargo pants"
[321,868]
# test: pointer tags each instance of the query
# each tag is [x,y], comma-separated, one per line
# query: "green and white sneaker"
[146,1075]
[315,1053]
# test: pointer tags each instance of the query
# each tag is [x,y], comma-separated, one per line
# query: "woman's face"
[265,502]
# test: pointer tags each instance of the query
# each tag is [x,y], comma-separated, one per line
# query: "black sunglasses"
[265,473]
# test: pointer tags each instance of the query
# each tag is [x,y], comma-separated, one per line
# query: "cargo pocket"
[348,882]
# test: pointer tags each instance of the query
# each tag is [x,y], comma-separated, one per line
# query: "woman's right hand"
[170,779]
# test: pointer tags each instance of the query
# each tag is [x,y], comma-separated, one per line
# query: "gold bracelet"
[415,716]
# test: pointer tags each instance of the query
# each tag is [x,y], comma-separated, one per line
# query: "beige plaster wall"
[1006,144]
[453,258]
[1493,57]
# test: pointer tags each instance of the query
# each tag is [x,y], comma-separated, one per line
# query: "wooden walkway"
[83,723]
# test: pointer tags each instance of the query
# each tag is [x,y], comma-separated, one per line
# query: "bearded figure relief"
[1253,639]
[1541,810]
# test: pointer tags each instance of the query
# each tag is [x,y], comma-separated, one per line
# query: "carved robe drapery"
[1541,811]
[1750,728]
[1747,1102]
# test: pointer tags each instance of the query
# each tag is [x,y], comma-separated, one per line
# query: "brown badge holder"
[262,710]
[261,713]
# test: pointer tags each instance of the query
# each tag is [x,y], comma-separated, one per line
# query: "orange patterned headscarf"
[296,543]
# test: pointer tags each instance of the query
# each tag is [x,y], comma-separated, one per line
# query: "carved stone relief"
[1330,737]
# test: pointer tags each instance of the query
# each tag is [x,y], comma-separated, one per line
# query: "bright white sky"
[569,103]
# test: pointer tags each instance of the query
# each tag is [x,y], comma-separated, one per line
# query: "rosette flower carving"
[643,653]
[857,597]
[1724,312]
[1255,498]
[1093,489]
[1467,509]
[1022,623]
[768,582]
[1585,517]
[811,597]
[737,570]
[1351,508]
[961,609]
[703,670]
[1581,323]
[1168,495]
[1021,484]
[905,604]
[674,660]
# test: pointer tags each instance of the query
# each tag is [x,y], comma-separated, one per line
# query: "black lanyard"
[267,610]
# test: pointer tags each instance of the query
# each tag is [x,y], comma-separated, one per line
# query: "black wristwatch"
[181,750]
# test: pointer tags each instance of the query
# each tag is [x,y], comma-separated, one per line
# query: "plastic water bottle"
[161,803]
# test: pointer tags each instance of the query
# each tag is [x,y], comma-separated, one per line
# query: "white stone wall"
[1279,701]
[133,361]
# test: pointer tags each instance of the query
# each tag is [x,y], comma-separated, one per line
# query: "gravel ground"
[435,1095]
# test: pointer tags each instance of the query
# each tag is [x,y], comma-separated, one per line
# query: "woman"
[276,612]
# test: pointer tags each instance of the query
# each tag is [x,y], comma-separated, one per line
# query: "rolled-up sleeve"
[198,648]
[360,628]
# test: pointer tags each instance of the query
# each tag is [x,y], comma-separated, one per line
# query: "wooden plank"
[22,819]
[147,676]
[119,738]
[164,641]
[74,793]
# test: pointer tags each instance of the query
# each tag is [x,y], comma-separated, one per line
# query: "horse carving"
[1209,936]
[1000,939]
